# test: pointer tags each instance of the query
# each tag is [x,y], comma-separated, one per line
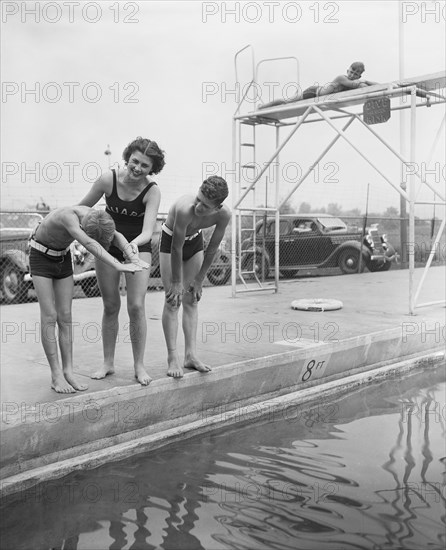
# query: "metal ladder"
[245,262]
[247,258]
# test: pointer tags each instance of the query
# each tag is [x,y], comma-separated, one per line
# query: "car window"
[332,224]
[284,228]
[304,226]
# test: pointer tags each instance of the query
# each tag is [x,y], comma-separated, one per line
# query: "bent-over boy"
[52,274]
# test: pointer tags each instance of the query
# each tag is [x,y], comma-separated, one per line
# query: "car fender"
[391,254]
[220,260]
[333,258]
[17,257]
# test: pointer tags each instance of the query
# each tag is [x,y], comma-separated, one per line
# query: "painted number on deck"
[313,368]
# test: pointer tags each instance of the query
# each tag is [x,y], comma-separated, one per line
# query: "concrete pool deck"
[260,349]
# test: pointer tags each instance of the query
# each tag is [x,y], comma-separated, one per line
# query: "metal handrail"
[236,73]
[280,59]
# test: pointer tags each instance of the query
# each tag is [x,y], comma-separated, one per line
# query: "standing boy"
[184,265]
[52,273]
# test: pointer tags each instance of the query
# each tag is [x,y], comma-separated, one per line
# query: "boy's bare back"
[53,229]
[184,209]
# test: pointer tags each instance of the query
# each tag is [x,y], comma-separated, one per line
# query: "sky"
[79,77]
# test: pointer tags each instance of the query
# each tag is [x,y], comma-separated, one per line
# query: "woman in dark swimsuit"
[132,199]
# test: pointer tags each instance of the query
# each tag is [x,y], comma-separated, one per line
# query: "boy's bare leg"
[137,284]
[170,321]
[108,280]
[276,102]
[63,294]
[48,318]
[190,316]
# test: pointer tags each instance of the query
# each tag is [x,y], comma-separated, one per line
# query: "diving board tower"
[424,91]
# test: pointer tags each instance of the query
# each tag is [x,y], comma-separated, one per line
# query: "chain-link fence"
[16,283]
[310,242]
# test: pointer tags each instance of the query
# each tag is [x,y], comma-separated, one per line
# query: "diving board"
[427,83]
[421,91]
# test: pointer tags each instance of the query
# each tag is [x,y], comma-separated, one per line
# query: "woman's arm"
[152,200]
[99,187]
[130,254]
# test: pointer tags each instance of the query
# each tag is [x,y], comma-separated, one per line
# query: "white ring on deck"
[316,304]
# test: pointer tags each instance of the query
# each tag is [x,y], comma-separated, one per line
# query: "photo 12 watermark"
[425,411]
[288,172]
[69,92]
[76,492]
[70,12]
[50,172]
[122,414]
[89,332]
[433,174]
[308,414]
[271,12]
[424,12]
[252,332]
[252,93]
[273,490]
[424,332]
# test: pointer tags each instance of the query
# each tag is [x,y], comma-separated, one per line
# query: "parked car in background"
[220,271]
[15,230]
[310,241]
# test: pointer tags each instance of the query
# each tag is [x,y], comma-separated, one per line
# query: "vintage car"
[309,241]
[15,230]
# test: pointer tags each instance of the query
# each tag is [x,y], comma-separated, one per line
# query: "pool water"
[365,470]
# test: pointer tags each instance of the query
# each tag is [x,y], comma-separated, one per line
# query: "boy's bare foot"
[141,375]
[175,370]
[103,372]
[60,385]
[194,363]
[72,380]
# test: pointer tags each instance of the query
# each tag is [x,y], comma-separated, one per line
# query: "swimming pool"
[361,471]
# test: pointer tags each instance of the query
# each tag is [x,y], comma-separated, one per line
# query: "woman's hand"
[131,251]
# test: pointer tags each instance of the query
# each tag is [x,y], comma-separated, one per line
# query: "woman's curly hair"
[150,149]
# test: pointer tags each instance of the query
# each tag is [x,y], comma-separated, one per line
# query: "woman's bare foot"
[141,375]
[175,370]
[72,380]
[103,372]
[195,363]
[60,385]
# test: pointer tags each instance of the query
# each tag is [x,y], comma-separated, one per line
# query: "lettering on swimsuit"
[124,212]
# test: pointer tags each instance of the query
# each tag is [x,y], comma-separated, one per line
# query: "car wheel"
[90,287]
[254,264]
[375,266]
[12,285]
[348,261]
[220,275]
[261,266]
